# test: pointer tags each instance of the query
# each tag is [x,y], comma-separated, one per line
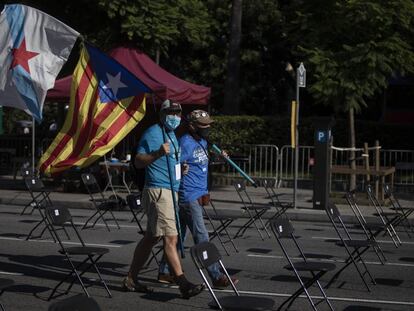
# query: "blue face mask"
[172,122]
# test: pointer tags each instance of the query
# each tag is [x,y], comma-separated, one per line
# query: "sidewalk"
[226,201]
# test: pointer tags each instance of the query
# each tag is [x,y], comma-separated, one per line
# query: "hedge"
[230,131]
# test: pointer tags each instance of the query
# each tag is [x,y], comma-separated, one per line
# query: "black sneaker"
[191,290]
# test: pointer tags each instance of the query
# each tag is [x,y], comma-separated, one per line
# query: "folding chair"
[134,204]
[78,303]
[206,254]
[359,246]
[220,228]
[270,184]
[4,284]
[255,212]
[40,200]
[371,229]
[283,230]
[26,172]
[404,211]
[59,217]
[388,219]
[100,202]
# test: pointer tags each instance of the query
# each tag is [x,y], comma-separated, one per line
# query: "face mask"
[203,132]
[172,122]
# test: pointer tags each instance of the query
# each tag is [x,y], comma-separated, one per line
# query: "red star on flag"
[21,56]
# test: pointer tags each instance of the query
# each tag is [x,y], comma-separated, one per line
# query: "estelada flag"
[106,103]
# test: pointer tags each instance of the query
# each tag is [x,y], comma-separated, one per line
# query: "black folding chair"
[206,254]
[59,217]
[359,246]
[101,203]
[134,204]
[41,199]
[219,224]
[404,211]
[75,303]
[27,172]
[283,230]
[255,212]
[270,185]
[388,219]
[371,229]
[4,284]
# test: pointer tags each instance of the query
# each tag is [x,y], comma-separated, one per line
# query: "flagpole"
[234,165]
[177,215]
[33,145]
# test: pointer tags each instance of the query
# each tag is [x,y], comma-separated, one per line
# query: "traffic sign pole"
[300,82]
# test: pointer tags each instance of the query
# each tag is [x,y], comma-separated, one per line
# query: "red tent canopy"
[164,84]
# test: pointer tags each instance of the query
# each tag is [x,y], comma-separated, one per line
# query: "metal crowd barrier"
[258,161]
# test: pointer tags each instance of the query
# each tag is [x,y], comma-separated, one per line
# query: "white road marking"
[10,273]
[375,301]
[379,241]
[109,225]
[397,264]
[65,242]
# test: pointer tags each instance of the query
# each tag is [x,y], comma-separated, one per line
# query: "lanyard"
[175,147]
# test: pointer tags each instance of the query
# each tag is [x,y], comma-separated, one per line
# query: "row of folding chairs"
[55,220]
[205,254]
[388,218]
[280,226]
[403,211]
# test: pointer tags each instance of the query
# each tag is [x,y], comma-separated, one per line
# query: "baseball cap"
[201,117]
[170,106]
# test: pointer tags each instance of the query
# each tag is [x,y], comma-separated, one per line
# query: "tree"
[156,25]
[231,90]
[351,49]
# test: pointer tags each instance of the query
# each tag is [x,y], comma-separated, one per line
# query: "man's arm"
[144,159]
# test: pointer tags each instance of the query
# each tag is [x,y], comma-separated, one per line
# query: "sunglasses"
[202,114]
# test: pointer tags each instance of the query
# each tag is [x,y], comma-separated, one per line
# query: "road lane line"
[65,242]
[379,241]
[351,299]
[10,273]
[109,225]
[396,264]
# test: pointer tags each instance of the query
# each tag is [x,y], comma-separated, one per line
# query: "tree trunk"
[231,89]
[352,178]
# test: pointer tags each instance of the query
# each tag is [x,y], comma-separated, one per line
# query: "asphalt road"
[36,267]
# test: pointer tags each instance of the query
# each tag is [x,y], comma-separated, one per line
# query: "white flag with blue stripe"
[33,48]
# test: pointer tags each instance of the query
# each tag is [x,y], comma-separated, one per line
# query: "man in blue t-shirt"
[156,144]
[194,156]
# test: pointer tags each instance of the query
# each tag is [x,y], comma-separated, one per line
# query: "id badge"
[178,171]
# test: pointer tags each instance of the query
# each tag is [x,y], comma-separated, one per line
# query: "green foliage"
[157,25]
[365,43]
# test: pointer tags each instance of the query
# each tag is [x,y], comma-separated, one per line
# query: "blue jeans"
[191,216]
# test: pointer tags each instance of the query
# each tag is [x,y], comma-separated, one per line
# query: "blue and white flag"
[33,48]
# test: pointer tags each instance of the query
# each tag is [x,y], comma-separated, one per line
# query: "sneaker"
[129,285]
[191,290]
[166,278]
[223,282]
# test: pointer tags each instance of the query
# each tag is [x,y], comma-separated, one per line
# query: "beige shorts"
[159,207]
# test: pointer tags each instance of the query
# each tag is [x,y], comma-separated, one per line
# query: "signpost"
[300,82]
